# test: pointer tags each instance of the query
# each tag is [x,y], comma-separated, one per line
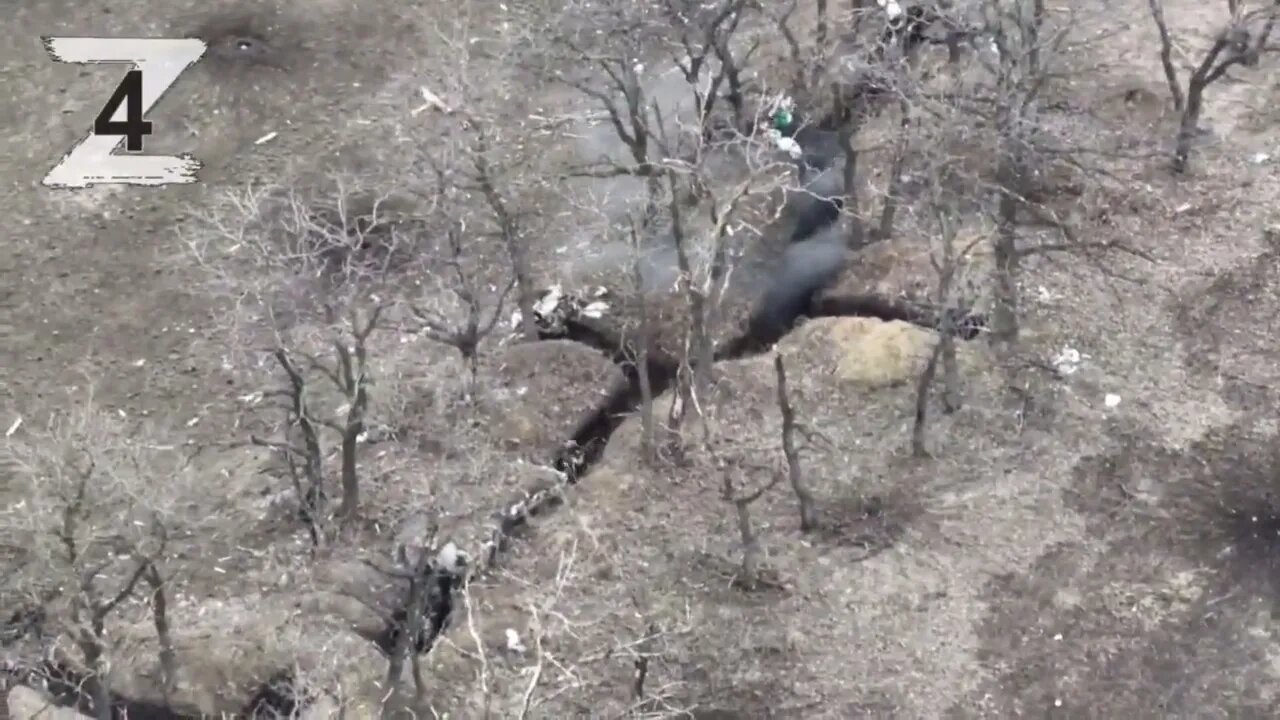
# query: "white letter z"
[161,61]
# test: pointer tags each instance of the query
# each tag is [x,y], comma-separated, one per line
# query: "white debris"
[1111,400]
[14,427]
[433,101]
[193,421]
[789,146]
[140,363]
[550,301]
[1067,361]
[784,143]
[450,558]
[1261,158]
[891,8]
[513,641]
[595,310]
[266,138]
[516,317]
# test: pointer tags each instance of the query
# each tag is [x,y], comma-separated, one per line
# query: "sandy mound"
[868,353]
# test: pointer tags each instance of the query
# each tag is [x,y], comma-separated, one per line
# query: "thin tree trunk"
[95,683]
[1188,125]
[848,136]
[1032,37]
[313,498]
[350,474]
[355,385]
[696,354]
[1166,53]
[808,513]
[160,617]
[889,211]
[647,446]
[920,429]
[648,449]
[950,313]
[1005,311]
[750,544]
[1005,252]
[526,295]
[951,397]
[820,33]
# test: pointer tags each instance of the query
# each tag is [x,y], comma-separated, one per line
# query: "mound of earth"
[228,650]
[28,704]
[543,390]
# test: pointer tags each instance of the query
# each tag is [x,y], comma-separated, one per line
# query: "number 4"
[133,127]
[158,62]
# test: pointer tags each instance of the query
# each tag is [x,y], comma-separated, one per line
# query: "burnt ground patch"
[245,42]
[1169,611]
[870,524]
[1229,326]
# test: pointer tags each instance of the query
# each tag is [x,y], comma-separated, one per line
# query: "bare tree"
[706,33]
[510,225]
[735,490]
[459,266]
[491,145]
[808,62]
[101,506]
[946,260]
[641,344]
[795,473]
[312,275]
[617,55]
[946,264]
[1242,41]
[996,143]
[348,373]
[1014,30]
[897,167]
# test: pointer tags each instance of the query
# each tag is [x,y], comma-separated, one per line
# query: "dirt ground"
[1061,559]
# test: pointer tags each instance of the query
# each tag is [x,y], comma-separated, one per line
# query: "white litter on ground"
[1067,361]
[513,641]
